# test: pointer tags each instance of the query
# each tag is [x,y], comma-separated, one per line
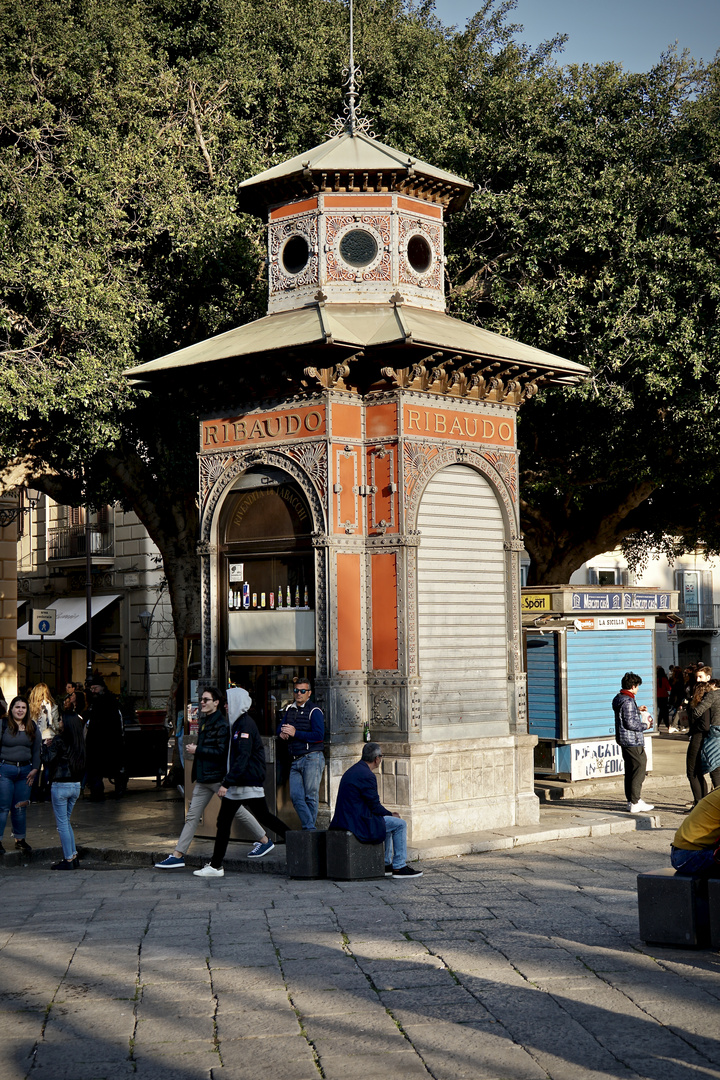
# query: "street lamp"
[146,620]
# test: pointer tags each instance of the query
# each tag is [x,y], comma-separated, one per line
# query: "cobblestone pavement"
[518,965]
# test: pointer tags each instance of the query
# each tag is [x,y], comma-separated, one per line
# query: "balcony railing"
[700,616]
[69,542]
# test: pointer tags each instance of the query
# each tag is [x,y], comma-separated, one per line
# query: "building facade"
[127,582]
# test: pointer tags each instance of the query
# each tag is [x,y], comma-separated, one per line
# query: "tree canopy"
[126,127]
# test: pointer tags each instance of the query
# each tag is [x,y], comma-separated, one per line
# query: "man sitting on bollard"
[695,848]
[358,810]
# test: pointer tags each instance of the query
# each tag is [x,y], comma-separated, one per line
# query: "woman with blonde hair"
[44,713]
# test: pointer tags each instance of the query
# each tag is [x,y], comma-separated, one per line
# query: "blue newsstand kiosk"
[579,643]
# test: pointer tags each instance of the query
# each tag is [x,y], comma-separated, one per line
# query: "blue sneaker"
[258,850]
[171,863]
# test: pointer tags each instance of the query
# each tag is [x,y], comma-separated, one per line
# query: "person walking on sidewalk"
[303,728]
[64,759]
[699,715]
[210,759]
[630,723]
[20,745]
[358,810]
[242,785]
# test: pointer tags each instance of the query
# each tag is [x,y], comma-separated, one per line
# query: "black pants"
[228,809]
[635,760]
[695,772]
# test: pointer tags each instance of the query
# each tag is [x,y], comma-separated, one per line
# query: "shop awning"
[70,612]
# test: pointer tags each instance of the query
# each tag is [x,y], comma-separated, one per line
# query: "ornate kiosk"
[359,505]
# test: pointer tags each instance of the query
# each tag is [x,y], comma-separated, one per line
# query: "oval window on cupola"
[358,248]
[419,254]
[295,254]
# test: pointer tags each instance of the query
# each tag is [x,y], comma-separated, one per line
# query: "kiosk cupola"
[353,220]
[357,220]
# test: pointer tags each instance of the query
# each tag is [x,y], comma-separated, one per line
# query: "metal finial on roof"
[351,121]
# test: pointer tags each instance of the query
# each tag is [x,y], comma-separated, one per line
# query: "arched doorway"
[266,585]
[462,606]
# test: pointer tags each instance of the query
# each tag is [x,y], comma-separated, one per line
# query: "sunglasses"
[305,691]
[204,700]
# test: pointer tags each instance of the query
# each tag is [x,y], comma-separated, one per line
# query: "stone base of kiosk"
[453,787]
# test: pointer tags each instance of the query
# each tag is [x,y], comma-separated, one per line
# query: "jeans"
[14,789]
[305,776]
[64,795]
[395,842]
[697,863]
[201,796]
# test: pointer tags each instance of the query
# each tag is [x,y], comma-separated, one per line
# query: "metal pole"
[42,658]
[88,595]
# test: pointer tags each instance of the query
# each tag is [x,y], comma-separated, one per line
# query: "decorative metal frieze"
[385,711]
[416,458]
[304,225]
[476,379]
[505,463]
[312,458]
[337,377]
[337,226]
[431,278]
[212,467]
[102,580]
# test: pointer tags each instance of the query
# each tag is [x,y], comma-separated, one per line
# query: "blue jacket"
[358,808]
[309,724]
[628,721]
[710,749]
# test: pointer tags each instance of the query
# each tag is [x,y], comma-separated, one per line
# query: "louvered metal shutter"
[462,605]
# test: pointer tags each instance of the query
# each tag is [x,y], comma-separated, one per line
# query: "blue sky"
[632,32]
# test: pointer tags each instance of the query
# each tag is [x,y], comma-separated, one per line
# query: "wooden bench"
[349,860]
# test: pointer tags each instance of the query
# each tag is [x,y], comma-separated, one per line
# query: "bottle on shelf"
[231,598]
[305,597]
[272,601]
[279,594]
[366,732]
[288,601]
[254,599]
[246,595]
[297,596]
[262,599]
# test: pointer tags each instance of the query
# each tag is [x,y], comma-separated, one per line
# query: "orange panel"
[381,420]
[384,612]
[458,426]
[293,208]
[345,201]
[264,427]
[346,421]
[349,622]
[415,206]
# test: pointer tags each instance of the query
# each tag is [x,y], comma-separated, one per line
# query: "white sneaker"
[209,871]
[673,730]
[638,807]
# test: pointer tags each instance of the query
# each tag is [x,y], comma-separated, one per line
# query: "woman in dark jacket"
[699,714]
[64,759]
[19,763]
[242,785]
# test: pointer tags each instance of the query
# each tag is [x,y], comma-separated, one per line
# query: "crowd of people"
[51,748]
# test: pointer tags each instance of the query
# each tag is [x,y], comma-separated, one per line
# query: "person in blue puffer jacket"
[630,723]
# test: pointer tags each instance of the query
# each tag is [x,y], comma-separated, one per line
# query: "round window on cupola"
[295,254]
[419,254]
[358,248]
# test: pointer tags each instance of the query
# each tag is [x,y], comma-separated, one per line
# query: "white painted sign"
[609,622]
[237,571]
[603,757]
